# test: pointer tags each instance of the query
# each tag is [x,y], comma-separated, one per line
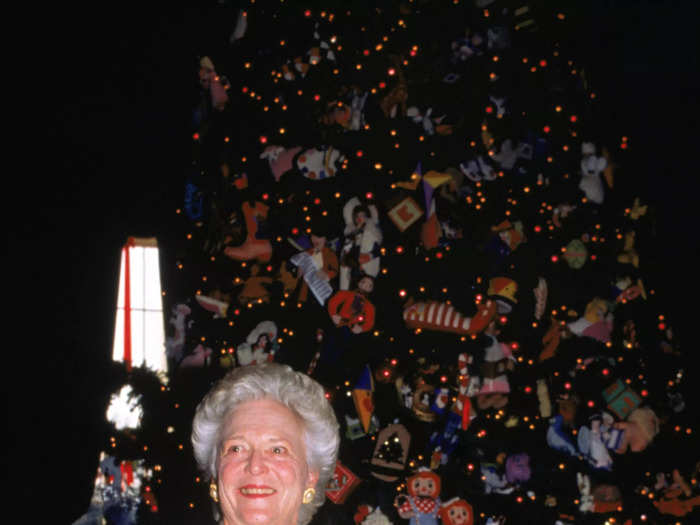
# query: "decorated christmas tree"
[421,205]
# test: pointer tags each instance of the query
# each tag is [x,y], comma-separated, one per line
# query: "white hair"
[298,392]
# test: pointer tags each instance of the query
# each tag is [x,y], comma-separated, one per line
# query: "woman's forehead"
[266,417]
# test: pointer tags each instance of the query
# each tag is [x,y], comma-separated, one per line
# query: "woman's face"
[360,218]
[262,465]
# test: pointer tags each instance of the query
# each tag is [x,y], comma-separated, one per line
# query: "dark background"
[110,90]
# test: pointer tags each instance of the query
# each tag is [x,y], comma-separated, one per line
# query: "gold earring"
[214,492]
[308,495]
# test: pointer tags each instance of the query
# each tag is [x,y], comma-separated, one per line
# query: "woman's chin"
[259,515]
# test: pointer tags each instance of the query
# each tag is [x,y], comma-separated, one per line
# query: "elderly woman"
[269,439]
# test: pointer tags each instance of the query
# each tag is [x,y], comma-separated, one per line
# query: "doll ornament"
[260,345]
[457,512]
[353,308]
[363,238]
[422,505]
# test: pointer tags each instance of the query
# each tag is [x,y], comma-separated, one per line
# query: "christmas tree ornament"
[388,461]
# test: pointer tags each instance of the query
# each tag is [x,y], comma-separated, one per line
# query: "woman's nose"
[256,462]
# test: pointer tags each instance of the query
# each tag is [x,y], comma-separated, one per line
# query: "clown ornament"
[422,505]
[457,512]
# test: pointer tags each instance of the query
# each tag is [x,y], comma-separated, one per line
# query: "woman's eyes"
[277,450]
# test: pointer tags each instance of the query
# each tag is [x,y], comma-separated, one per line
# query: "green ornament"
[576,254]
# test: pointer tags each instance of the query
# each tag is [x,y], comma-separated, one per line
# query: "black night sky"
[112,89]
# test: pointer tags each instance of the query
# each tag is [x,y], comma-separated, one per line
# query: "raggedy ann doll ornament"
[456,512]
[422,505]
[363,238]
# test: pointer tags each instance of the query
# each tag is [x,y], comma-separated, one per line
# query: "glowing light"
[124,409]
[139,332]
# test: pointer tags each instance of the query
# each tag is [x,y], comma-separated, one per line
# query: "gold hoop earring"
[308,495]
[214,492]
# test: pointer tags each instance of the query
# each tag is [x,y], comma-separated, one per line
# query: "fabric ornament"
[494,389]
[629,254]
[444,317]
[394,102]
[456,512]
[281,160]
[431,231]
[199,357]
[422,505]
[390,453]
[597,321]
[342,484]
[255,287]
[216,302]
[240,27]
[362,397]
[541,293]
[511,234]
[591,168]
[363,237]
[518,468]
[174,346]
[503,290]
[319,163]
[368,516]
[255,246]
[212,82]
[576,254]
[352,309]
[260,346]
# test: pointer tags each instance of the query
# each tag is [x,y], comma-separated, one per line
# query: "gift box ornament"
[621,399]
[342,484]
